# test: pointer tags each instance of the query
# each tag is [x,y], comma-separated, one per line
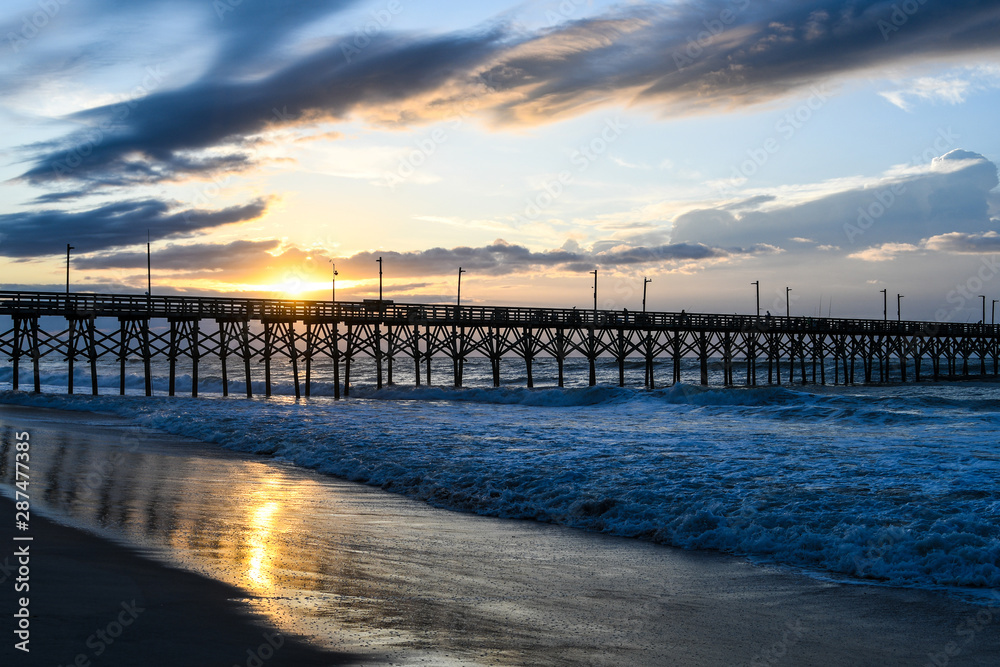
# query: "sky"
[835,148]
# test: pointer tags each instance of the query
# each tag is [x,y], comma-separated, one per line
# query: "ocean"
[895,485]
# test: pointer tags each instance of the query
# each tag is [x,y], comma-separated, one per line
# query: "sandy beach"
[225,548]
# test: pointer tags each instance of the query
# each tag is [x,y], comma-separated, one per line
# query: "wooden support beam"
[223,356]
[390,353]
[92,354]
[308,354]
[527,344]
[677,356]
[378,355]
[801,347]
[267,359]
[348,354]
[428,351]
[592,356]
[134,329]
[561,354]
[70,352]
[457,378]
[293,352]
[703,357]
[416,354]
[335,344]
[245,335]
[650,383]
[26,342]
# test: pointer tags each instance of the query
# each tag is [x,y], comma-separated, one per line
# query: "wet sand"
[360,570]
[97,602]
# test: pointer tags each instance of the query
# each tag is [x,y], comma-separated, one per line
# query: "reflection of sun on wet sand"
[358,569]
[259,568]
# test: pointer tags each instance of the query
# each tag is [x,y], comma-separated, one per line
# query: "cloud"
[885,252]
[988,242]
[160,138]
[500,258]
[123,223]
[200,257]
[749,203]
[250,261]
[951,194]
[724,54]
[953,242]
[671,58]
[929,89]
[954,88]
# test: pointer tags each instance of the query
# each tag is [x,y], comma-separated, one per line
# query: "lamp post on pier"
[379,260]
[645,281]
[757,283]
[983,297]
[885,305]
[993,318]
[333,281]
[788,306]
[68,248]
[899,299]
[460,272]
[595,293]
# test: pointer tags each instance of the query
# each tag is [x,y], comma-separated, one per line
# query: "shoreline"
[464,589]
[95,601]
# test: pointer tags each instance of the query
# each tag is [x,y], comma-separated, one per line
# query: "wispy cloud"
[637,54]
[953,88]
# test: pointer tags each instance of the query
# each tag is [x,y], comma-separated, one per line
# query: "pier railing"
[132,305]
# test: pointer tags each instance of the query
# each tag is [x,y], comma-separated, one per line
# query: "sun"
[293,288]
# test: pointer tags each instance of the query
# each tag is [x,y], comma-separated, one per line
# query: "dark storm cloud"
[46,232]
[686,56]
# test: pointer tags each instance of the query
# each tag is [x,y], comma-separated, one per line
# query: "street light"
[645,281]
[983,297]
[460,272]
[993,318]
[899,298]
[788,307]
[595,290]
[68,248]
[379,260]
[885,305]
[757,283]
[333,281]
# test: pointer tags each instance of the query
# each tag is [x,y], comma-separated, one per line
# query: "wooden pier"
[752,350]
